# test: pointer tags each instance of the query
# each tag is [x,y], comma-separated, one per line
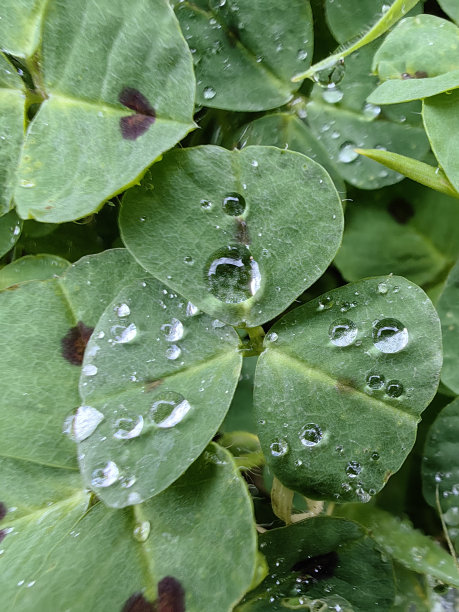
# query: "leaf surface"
[341,386]
[448,312]
[32,267]
[20,22]
[235,265]
[10,230]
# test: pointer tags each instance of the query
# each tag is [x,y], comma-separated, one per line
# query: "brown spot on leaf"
[74,343]
[138,603]
[134,126]
[419,74]
[242,232]
[2,511]
[3,533]
[317,568]
[149,386]
[171,596]
[400,210]
[345,386]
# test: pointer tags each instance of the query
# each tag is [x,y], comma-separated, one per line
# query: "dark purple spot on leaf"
[138,603]
[2,511]
[171,596]
[134,126]
[316,568]
[74,343]
[421,74]
[242,232]
[400,210]
[3,533]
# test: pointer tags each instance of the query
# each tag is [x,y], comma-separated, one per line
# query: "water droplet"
[342,332]
[206,204]
[191,310]
[331,76]
[310,434]
[346,153]
[217,324]
[173,352]
[169,410]
[374,456]
[123,310]
[173,330]
[382,288]
[209,93]
[89,370]
[332,95]
[325,302]
[233,204]
[27,184]
[128,428]
[375,381]
[278,448]
[302,55]
[371,110]
[105,476]
[142,531]
[233,275]
[394,388]
[188,260]
[389,335]
[272,337]
[127,335]
[353,469]
[451,516]
[85,422]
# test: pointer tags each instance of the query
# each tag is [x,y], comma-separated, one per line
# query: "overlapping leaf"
[448,310]
[32,267]
[20,22]
[10,230]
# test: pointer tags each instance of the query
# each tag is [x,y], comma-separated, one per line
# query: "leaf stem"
[445,528]
[256,335]
[282,500]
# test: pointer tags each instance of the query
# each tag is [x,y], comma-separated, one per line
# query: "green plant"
[240,425]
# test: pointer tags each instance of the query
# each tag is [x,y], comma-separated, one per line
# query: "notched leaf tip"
[134,126]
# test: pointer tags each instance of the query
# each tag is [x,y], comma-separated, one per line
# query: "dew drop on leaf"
[233,204]
[169,410]
[85,422]
[191,310]
[173,331]
[331,76]
[332,95]
[209,93]
[142,531]
[89,370]
[342,332]
[389,335]
[278,448]
[233,275]
[347,153]
[325,302]
[106,475]
[375,381]
[173,352]
[353,469]
[123,310]
[127,428]
[394,388]
[382,288]
[310,434]
[127,334]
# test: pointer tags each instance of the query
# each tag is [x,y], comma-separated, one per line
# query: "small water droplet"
[389,335]
[325,302]
[382,288]
[142,531]
[209,93]
[347,154]
[27,184]
[105,476]
[85,422]
[233,275]
[394,388]
[310,434]
[169,410]
[272,337]
[173,330]
[188,260]
[353,469]
[128,428]
[451,516]
[89,370]
[173,352]
[233,204]
[371,110]
[127,335]
[375,381]
[123,310]
[278,448]
[375,456]
[342,332]
[191,310]
[206,204]
[302,55]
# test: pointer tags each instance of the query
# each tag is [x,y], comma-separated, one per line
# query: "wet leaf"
[448,311]
[20,22]
[10,230]
[92,137]
[240,66]
[327,559]
[232,258]
[156,384]
[341,385]
[32,267]
[451,8]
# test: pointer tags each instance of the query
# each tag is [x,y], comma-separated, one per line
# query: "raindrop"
[89,370]
[451,516]
[302,55]
[27,184]
[342,332]
[191,310]
[331,76]
[353,469]
[209,93]
[142,531]
[106,476]
[128,428]
[233,275]
[278,448]
[375,381]
[123,310]
[347,154]
[206,204]
[389,335]
[127,335]
[325,302]
[332,95]
[310,434]
[272,337]
[173,352]
[188,260]
[374,456]
[382,288]
[233,204]
[394,388]
[169,410]
[371,110]
[85,422]
[173,330]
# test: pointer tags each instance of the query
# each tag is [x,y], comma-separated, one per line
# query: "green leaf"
[32,267]
[412,589]
[10,230]
[408,230]
[451,8]
[81,148]
[20,22]
[234,265]
[35,318]
[240,415]
[341,385]
[400,540]
[59,557]
[286,131]
[398,9]
[448,312]
[324,558]
[239,65]
[395,91]
[12,100]
[156,384]
[441,120]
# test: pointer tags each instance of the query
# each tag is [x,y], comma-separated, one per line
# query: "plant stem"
[256,335]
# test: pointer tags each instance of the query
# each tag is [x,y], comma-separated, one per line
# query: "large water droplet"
[191,310]
[128,428]
[375,381]
[105,476]
[142,531]
[233,275]
[89,370]
[347,154]
[123,310]
[173,330]
[209,93]
[325,302]
[233,204]
[169,410]
[371,110]
[394,388]
[173,352]
[331,76]
[278,448]
[332,95]
[310,434]
[85,422]
[342,332]
[353,469]
[389,335]
[127,335]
